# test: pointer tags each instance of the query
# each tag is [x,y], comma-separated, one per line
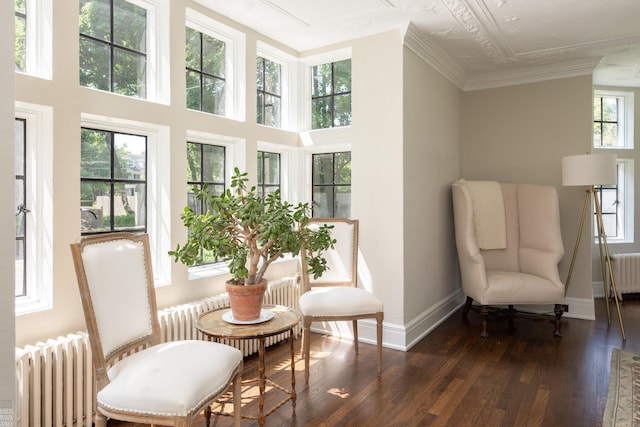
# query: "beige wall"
[520,134]
[7,218]
[431,162]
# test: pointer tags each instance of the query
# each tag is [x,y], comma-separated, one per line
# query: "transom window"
[21,206]
[331,95]
[268,173]
[113,181]
[613,119]
[206,72]
[268,82]
[20,23]
[113,47]
[331,180]
[205,168]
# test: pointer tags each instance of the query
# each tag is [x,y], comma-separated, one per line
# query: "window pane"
[321,113]
[342,206]
[192,53]
[272,168]
[95,64]
[272,111]
[323,168]
[130,157]
[260,108]
[321,80]
[609,201]
[212,163]
[609,134]
[260,73]
[213,95]
[193,162]
[19,136]
[213,56]
[342,110]
[610,109]
[129,73]
[597,134]
[272,77]
[343,168]
[19,204]
[20,286]
[95,156]
[95,19]
[610,226]
[597,108]
[129,206]
[20,47]
[129,25]
[193,90]
[342,76]
[322,202]
[95,205]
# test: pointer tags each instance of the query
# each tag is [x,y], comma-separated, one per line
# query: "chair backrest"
[342,260]
[116,286]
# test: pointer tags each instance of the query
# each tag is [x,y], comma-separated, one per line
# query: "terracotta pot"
[246,300]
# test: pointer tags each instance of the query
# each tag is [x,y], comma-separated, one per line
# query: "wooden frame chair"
[335,296]
[139,379]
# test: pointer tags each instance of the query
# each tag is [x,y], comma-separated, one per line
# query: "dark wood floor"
[520,376]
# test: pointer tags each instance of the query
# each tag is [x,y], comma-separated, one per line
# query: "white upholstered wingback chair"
[166,383]
[335,295]
[509,245]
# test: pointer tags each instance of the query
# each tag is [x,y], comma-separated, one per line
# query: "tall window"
[21,206]
[268,81]
[113,181]
[113,47]
[331,181]
[205,167]
[21,35]
[268,173]
[613,119]
[206,82]
[331,95]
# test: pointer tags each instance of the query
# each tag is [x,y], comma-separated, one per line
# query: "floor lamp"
[593,170]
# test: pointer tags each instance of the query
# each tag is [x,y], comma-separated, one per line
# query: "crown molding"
[532,74]
[431,54]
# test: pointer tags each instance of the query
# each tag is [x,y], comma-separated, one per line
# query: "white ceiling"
[477,38]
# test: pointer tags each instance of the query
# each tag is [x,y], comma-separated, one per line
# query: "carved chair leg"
[379,319]
[484,312]
[558,311]
[306,339]
[467,306]
[355,334]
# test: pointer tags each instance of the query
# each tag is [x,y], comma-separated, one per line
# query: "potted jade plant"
[251,233]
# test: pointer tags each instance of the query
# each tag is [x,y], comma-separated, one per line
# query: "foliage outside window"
[21,208]
[20,23]
[268,173]
[113,181]
[331,180]
[205,68]
[205,168]
[113,43]
[613,119]
[331,95]
[268,82]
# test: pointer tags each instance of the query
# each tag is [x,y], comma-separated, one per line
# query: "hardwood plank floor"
[520,376]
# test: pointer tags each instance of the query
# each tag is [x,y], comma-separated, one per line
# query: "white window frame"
[39,200]
[625,118]
[310,62]
[235,60]
[39,52]
[159,212]
[235,149]
[158,84]
[290,71]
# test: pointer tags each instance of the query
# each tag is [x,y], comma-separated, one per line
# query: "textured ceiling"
[478,38]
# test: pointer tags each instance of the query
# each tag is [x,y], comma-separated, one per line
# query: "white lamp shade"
[589,169]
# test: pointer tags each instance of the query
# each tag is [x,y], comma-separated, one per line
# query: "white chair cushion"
[338,301]
[507,287]
[171,378]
